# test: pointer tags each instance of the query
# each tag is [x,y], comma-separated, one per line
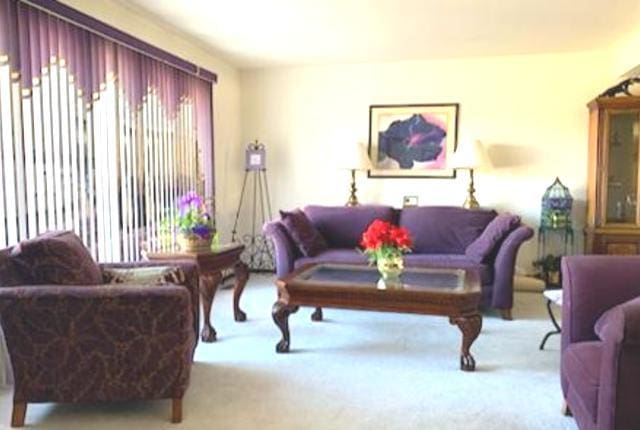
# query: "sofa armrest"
[97,343]
[504,267]
[286,251]
[191,280]
[593,284]
[618,396]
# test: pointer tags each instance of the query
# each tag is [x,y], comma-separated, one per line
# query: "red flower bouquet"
[385,241]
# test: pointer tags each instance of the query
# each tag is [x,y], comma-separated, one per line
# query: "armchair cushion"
[304,234]
[483,247]
[154,275]
[57,257]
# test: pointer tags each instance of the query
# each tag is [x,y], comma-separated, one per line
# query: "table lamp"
[470,155]
[355,158]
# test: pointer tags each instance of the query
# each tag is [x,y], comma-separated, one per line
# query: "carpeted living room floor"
[355,370]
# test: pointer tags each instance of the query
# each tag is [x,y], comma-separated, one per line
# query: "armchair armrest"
[286,250]
[191,280]
[619,330]
[504,267]
[92,343]
[593,284]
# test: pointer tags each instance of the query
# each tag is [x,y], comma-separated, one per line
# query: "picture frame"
[413,140]
[255,156]
[409,201]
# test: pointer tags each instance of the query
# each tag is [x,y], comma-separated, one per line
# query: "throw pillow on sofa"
[304,234]
[56,258]
[483,247]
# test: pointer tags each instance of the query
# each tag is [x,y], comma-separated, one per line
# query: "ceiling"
[271,33]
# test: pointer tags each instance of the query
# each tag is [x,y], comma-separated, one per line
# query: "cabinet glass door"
[622,167]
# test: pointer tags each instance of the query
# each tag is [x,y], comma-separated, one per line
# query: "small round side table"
[554,297]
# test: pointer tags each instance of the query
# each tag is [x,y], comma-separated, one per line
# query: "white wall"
[226,94]
[529,110]
[626,53]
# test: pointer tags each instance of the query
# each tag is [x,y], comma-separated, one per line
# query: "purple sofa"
[440,234]
[600,365]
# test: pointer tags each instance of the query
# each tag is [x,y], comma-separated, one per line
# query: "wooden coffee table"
[453,293]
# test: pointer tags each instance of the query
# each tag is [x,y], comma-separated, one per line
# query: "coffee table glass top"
[341,275]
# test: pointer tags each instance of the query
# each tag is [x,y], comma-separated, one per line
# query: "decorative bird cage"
[556,207]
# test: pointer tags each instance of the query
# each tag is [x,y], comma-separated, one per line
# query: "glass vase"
[390,269]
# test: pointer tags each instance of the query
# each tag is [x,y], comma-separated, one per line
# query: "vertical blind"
[95,136]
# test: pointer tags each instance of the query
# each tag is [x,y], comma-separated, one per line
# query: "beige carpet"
[357,370]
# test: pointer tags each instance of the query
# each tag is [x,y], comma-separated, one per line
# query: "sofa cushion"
[483,247]
[335,255]
[341,226]
[453,261]
[57,258]
[581,367]
[304,234]
[444,230]
[352,256]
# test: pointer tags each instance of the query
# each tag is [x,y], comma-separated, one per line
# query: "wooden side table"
[210,265]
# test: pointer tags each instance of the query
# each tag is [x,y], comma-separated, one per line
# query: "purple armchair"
[600,365]
[86,341]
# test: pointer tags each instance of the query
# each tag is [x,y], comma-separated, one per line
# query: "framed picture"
[255,157]
[409,201]
[409,141]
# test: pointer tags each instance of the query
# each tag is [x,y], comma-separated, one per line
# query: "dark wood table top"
[215,253]
[440,291]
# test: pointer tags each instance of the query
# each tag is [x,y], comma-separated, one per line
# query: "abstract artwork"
[412,140]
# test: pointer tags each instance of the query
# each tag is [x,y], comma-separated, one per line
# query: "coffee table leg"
[280,313]
[241,272]
[470,326]
[208,287]
[317,315]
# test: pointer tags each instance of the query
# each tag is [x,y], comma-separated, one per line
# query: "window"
[96,136]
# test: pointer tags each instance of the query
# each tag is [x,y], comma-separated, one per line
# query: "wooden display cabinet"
[613,213]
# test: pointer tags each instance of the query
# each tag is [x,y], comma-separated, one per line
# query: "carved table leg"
[280,313]
[241,272]
[208,287]
[317,315]
[470,326]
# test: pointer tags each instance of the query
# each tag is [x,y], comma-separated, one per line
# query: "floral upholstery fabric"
[9,275]
[78,344]
[57,257]
[156,275]
[104,342]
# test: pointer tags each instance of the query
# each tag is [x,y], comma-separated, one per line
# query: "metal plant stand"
[258,254]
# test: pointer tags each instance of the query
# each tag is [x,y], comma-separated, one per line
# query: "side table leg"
[241,272]
[208,287]
[557,330]
[470,326]
[280,313]
[317,315]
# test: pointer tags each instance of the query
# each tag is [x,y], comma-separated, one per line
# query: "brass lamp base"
[471,202]
[353,200]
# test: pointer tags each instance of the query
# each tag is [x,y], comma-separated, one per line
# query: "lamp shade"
[469,155]
[354,157]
